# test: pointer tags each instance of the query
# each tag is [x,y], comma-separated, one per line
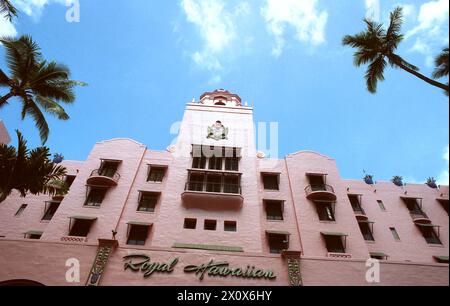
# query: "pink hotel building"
[211,210]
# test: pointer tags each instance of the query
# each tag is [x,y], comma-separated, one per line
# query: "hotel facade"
[212,210]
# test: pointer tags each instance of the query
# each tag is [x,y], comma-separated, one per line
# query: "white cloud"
[301,15]
[373,10]
[431,29]
[444,176]
[6,27]
[34,8]
[216,24]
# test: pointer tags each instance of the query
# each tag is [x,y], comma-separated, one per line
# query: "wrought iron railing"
[322,187]
[359,210]
[418,214]
[112,174]
[213,187]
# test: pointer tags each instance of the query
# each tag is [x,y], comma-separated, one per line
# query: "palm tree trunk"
[5,98]
[421,76]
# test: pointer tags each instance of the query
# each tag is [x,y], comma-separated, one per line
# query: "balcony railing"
[320,192]
[104,177]
[213,187]
[419,216]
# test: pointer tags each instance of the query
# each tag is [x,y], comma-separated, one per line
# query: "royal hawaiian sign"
[143,264]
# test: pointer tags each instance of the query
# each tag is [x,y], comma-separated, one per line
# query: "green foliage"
[7,9]
[376,47]
[29,171]
[39,85]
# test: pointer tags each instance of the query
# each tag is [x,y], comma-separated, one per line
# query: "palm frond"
[22,56]
[52,107]
[375,73]
[29,107]
[5,81]
[442,63]
[395,25]
[7,9]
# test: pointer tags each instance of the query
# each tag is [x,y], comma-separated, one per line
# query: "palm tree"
[441,62]
[28,171]
[376,47]
[36,82]
[7,9]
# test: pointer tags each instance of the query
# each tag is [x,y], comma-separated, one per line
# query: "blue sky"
[145,59]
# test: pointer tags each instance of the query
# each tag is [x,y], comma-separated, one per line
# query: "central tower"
[215,156]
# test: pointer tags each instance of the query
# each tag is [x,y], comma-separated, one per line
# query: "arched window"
[220,101]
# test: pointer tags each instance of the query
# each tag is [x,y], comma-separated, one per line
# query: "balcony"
[104,178]
[206,194]
[322,192]
[419,217]
[360,214]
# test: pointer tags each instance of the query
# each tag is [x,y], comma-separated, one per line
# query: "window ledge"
[91,207]
[145,212]
[436,245]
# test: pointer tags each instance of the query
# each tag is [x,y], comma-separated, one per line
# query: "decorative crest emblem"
[217,131]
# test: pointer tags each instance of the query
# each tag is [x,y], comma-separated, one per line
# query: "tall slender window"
[20,210]
[394,233]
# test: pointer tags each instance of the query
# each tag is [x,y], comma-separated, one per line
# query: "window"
[199,162]
[51,210]
[355,202]
[190,223]
[148,201]
[156,174]
[334,244]
[413,206]
[35,236]
[395,233]
[274,210]
[80,228]
[108,168]
[381,204]
[366,231]
[379,256]
[69,180]
[213,183]
[138,234]
[317,182]
[215,163]
[325,211]
[230,226]
[196,181]
[270,181]
[430,235]
[278,243]
[95,197]
[210,225]
[444,204]
[21,209]
[441,259]
[231,184]
[232,163]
